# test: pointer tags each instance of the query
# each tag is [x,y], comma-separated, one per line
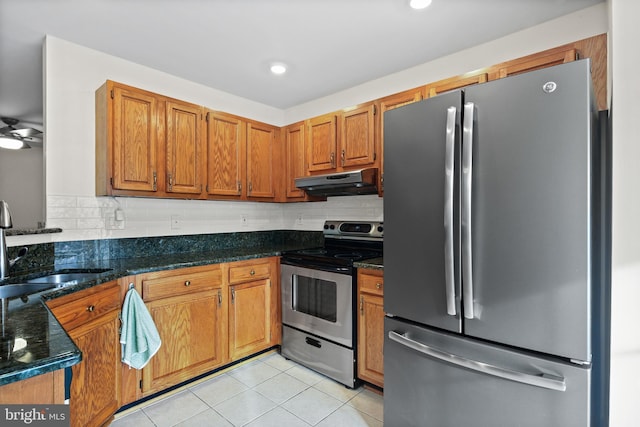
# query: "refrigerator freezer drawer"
[440,379]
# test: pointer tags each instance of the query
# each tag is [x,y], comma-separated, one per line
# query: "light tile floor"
[268,391]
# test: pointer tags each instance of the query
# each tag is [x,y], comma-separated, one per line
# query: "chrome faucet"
[5,222]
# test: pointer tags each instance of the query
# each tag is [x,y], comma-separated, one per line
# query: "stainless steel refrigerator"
[493,254]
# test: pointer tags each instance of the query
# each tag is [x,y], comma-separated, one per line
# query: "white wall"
[72,73]
[625,332]
[21,185]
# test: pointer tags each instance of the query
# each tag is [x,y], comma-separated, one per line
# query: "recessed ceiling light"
[278,68]
[419,4]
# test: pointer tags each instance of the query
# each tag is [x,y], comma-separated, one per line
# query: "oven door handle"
[294,289]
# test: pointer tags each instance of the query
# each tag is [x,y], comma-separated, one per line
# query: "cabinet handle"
[342,156]
[332,158]
[233,295]
[361,305]
[253,272]
[219,298]
[187,283]
[250,187]
[239,187]
[155,181]
[91,308]
[170,182]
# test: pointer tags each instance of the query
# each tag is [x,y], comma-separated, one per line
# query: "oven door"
[318,302]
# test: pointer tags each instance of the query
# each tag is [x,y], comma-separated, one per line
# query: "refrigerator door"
[530,207]
[444,380]
[421,246]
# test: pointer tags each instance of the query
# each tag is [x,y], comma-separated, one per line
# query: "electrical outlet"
[176,222]
[111,223]
[300,219]
[243,220]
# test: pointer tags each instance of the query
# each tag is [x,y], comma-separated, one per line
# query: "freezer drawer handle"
[449,269]
[465,214]
[542,380]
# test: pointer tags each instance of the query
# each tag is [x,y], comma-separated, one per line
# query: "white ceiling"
[329,45]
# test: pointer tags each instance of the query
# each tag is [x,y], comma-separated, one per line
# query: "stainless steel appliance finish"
[318,298]
[318,301]
[362,181]
[494,187]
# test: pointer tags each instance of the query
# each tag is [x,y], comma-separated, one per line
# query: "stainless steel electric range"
[319,301]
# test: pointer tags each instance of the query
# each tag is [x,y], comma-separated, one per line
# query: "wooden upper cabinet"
[544,59]
[226,142]
[185,148]
[357,141]
[457,82]
[295,164]
[322,143]
[343,140]
[132,135]
[262,153]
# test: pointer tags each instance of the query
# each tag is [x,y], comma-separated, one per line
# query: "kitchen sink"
[68,278]
[21,289]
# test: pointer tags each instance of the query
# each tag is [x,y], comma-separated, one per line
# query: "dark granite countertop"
[47,347]
[371,264]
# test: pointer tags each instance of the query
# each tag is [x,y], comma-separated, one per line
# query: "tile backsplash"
[84,218]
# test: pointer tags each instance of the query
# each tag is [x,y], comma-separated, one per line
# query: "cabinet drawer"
[372,283]
[77,309]
[242,273]
[154,288]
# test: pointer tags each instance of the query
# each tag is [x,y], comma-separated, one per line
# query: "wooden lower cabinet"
[91,318]
[189,309]
[207,317]
[39,390]
[254,298]
[371,326]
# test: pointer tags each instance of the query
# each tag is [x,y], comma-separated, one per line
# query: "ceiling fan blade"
[26,133]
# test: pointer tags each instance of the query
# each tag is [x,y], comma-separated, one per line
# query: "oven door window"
[315,297]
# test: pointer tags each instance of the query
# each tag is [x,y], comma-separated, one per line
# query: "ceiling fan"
[17,137]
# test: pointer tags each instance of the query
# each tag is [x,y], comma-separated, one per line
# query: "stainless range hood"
[363,181]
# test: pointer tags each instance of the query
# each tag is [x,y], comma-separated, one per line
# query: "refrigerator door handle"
[449,269]
[547,381]
[465,214]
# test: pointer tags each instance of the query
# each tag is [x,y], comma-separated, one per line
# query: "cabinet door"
[249,318]
[192,328]
[454,83]
[134,139]
[321,143]
[226,140]
[94,385]
[371,327]
[185,151]
[261,156]
[371,339]
[295,160]
[357,142]
[528,63]
[91,319]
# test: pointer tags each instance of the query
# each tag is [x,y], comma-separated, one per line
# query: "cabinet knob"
[253,272]
[187,283]
[91,308]
[378,285]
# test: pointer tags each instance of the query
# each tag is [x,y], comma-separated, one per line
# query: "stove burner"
[316,251]
[349,256]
